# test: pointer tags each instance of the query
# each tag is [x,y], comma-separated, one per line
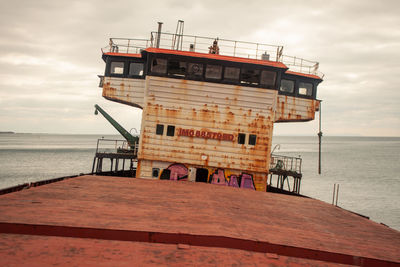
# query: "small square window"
[176,68]
[268,78]
[195,70]
[305,89]
[117,67]
[136,69]
[213,72]
[231,74]
[170,130]
[252,139]
[160,129]
[241,138]
[159,65]
[155,172]
[250,76]
[287,86]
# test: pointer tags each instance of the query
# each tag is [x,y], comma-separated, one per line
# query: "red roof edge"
[217,57]
[303,75]
[122,54]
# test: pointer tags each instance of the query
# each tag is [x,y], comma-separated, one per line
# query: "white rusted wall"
[124,90]
[211,107]
[290,108]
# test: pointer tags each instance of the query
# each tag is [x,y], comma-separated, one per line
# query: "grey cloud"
[356,43]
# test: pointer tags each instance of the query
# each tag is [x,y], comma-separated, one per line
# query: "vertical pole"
[257,52]
[337,193]
[183,26]
[159,34]
[333,197]
[94,163]
[320,140]
[116,165]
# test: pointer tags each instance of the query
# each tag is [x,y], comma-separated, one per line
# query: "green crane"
[132,140]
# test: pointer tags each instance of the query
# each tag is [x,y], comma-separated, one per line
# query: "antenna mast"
[320,139]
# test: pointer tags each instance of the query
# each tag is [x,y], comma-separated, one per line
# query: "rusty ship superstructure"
[209,105]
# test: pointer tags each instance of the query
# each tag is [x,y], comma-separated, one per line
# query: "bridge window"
[241,138]
[213,72]
[160,129]
[268,78]
[195,70]
[305,89]
[117,67]
[287,86]
[231,74]
[176,68]
[159,65]
[136,69]
[170,130]
[252,139]
[249,76]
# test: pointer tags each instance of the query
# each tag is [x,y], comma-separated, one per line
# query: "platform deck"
[108,219]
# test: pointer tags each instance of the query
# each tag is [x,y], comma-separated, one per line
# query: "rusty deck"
[96,220]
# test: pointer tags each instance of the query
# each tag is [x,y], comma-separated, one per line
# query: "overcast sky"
[50,57]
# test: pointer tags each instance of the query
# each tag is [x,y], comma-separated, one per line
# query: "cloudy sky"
[50,57]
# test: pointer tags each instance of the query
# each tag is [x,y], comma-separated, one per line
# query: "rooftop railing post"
[127,49]
[234,49]
[159,34]
[257,51]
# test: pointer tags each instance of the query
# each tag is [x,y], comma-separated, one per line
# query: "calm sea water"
[366,168]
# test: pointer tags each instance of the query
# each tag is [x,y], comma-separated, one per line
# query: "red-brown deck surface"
[118,221]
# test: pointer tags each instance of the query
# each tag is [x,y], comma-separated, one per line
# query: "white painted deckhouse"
[209,105]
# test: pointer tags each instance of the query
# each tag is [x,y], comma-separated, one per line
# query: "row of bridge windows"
[212,72]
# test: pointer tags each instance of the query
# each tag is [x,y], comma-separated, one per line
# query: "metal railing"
[285,163]
[226,47]
[115,146]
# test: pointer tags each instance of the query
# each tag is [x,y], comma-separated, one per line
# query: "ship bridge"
[209,104]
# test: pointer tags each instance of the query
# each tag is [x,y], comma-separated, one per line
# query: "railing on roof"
[226,47]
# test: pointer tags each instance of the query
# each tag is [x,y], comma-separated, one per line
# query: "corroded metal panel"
[291,108]
[215,109]
[124,90]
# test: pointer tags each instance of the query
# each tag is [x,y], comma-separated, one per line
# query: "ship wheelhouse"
[207,117]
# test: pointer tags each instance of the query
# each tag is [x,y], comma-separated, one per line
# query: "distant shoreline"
[9,132]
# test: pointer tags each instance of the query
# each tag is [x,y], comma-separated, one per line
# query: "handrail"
[115,146]
[285,163]
[227,47]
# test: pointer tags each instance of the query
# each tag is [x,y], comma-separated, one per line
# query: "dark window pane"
[268,78]
[136,69]
[170,130]
[117,67]
[155,172]
[287,86]
[159,65]
[160,129]
[176,68]
[231,74]
[241,138]
[252,139]
[195,70]
[305,89]
[213,72]
[249,76]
